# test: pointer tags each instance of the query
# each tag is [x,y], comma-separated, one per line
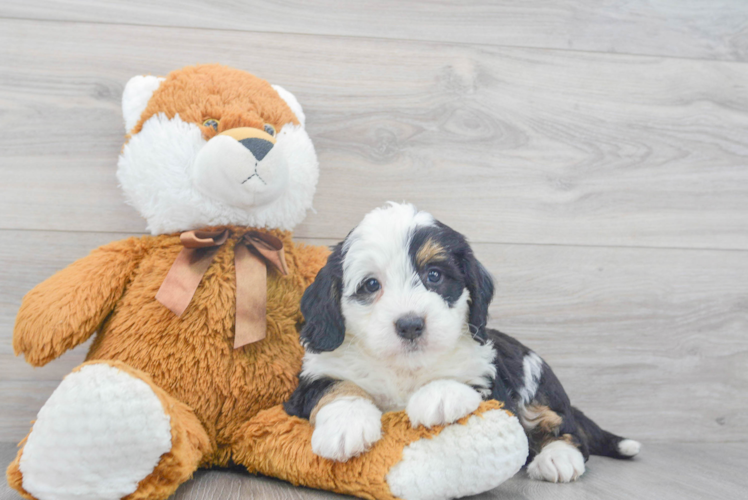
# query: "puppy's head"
[402,284]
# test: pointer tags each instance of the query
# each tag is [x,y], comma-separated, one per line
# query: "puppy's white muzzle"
[246,173]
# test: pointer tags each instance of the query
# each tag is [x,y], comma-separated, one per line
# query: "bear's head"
[210,146]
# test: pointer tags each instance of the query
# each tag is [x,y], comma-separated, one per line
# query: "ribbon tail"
[184,277]
[251,297]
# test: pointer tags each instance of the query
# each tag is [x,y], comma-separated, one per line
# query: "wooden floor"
[664,471]
[595,152]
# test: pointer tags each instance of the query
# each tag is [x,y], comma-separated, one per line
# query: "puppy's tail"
[602,442]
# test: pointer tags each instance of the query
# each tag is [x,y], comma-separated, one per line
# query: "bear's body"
[191,357]
[164,392]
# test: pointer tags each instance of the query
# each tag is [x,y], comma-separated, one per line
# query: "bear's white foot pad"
[557,462]
[100,433]
[462,460]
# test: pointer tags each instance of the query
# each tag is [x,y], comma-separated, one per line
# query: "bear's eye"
[269,129]
[212,123]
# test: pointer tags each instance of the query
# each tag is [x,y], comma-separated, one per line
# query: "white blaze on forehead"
[380,244]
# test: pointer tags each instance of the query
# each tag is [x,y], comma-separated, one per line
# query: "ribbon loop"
[204,239]
[269,247]
[193,261]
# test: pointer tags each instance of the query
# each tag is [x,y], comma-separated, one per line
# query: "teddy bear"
[197,324]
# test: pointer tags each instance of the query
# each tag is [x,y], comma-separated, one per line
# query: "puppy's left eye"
[269,129]
[434,277]
[371,285]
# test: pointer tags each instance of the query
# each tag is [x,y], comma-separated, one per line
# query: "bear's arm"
[63,311]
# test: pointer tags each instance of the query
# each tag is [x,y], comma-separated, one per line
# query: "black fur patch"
[307,395]
[460,270]
[324,329]
[586,434]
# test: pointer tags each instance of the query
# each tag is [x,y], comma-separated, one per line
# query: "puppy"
[397,320]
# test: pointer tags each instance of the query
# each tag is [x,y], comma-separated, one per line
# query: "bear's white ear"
[292,103]
[138,92]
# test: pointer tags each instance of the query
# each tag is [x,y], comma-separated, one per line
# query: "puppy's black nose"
[410,326]
[259,147]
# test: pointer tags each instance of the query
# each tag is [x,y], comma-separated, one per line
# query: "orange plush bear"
[197,325]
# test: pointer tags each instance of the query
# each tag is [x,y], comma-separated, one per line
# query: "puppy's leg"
[441,402]
[346,421]
[346,427]
[559,461]
[546,414]
[562,455]
[562,436]
[558,458]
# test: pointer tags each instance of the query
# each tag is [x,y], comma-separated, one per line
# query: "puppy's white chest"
[394,389]
[390,385]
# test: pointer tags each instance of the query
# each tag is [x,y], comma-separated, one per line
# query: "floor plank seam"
[336,239]
[393,39]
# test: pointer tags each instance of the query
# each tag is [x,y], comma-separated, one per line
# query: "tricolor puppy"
[397,320]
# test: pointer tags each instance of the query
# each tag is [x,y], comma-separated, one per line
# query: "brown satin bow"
[200,247]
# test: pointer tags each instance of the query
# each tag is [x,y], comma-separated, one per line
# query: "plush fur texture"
[222,404]
[187,441]
[419,475]
[191,357]
[181,174]
[492,441]
[110,464]
[138,92]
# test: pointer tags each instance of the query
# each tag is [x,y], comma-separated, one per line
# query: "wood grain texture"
[649,342]
[715,29]
[513,145]
[663,471]
[596,152]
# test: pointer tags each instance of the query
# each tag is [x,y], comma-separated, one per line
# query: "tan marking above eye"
[430,251]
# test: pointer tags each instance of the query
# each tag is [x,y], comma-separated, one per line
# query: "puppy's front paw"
[441,402]
[557,462]
[345,428]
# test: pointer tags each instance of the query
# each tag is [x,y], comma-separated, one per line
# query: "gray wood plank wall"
[596,152]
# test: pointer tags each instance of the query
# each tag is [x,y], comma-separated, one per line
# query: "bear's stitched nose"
[258,147]
[410,326]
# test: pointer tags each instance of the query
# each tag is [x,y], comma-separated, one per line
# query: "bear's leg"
[473,455]
[106,433]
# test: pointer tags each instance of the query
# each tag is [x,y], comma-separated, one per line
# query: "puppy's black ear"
[480,286]
[324,329]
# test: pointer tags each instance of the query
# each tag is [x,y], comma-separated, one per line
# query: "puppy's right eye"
[371,285]
[434,277]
